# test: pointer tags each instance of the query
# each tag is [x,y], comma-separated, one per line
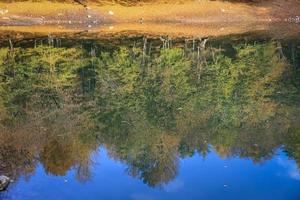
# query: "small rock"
[3,11]
[89,16]
[4,182]
[110,12]
[141,21]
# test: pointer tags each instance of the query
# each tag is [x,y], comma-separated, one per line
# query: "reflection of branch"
[56,103]
[126,122]
[81,3]
[15,114]
[3,76]
[203,42]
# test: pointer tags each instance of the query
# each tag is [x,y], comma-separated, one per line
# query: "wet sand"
[193,18]
[191,12]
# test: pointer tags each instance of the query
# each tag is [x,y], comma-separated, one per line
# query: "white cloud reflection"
[174,186]
[291,167]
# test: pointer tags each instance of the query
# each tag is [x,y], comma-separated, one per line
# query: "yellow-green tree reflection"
[148,110]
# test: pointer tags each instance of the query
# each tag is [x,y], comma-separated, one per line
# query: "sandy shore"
[193,18]
[45,13]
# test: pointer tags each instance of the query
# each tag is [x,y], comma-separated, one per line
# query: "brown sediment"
[174,29]
[276,31]
[200,18]
[282,9]
[29,13]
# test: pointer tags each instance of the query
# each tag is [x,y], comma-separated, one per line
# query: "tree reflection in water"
[149,105]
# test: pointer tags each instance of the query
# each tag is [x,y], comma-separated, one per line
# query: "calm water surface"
[150,118]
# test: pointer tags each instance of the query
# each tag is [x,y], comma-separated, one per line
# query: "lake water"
[145,117]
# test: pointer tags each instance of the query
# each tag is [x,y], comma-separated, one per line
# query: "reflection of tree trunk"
[279,47]
[199,64]
[293,56]
[144,51]
[166,42]
[193,44]
[11,55]
[10,44]
[150,48]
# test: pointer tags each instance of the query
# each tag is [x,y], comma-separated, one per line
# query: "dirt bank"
[273,30]
[200,17]
[45,13]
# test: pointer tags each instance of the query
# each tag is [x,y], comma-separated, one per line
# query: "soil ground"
[192,17]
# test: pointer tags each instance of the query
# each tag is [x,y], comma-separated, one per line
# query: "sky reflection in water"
[207,178]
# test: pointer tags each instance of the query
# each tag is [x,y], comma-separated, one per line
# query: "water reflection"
[149,102]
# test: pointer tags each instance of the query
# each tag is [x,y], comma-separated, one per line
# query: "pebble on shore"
[4,182]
